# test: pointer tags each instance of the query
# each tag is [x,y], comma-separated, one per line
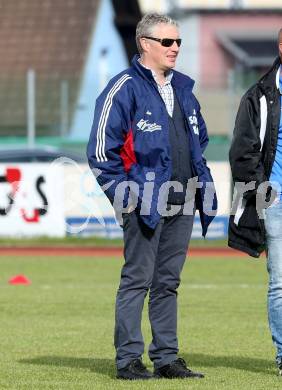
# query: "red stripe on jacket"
[127,151]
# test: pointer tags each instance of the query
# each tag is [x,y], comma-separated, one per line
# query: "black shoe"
[176,369]
[134,370]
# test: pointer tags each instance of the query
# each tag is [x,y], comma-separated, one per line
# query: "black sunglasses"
[166,42]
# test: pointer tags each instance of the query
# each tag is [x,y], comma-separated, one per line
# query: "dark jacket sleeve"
[245,153]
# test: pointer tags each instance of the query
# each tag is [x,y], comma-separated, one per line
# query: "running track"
[107,252]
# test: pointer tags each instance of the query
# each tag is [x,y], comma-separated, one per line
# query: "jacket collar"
[179,80]
[141,70]
[278,77]
[271,78]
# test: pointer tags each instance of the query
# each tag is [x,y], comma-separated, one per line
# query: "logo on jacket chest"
[145,125]
[193,120]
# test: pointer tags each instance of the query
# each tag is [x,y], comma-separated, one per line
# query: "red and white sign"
[31,200]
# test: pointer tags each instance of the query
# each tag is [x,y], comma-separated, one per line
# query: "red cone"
[19,279]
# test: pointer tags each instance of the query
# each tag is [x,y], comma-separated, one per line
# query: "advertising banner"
[31,200]
[89,213]
[64,198]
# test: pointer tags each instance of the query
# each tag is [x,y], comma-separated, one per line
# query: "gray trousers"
[153,262]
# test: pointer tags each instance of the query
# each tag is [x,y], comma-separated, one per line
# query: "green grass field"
[57,332]
[73,241]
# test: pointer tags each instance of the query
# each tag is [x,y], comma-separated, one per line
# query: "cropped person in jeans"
[256,161]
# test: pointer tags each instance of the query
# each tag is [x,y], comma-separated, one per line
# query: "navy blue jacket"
[130,137]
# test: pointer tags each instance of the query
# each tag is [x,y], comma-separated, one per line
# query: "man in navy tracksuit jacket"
[146,144]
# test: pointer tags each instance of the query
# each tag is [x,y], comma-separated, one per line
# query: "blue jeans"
[273,225]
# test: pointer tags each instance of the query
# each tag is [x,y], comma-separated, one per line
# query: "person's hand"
[130,208]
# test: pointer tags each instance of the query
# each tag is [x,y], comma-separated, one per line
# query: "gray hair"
[147,23]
